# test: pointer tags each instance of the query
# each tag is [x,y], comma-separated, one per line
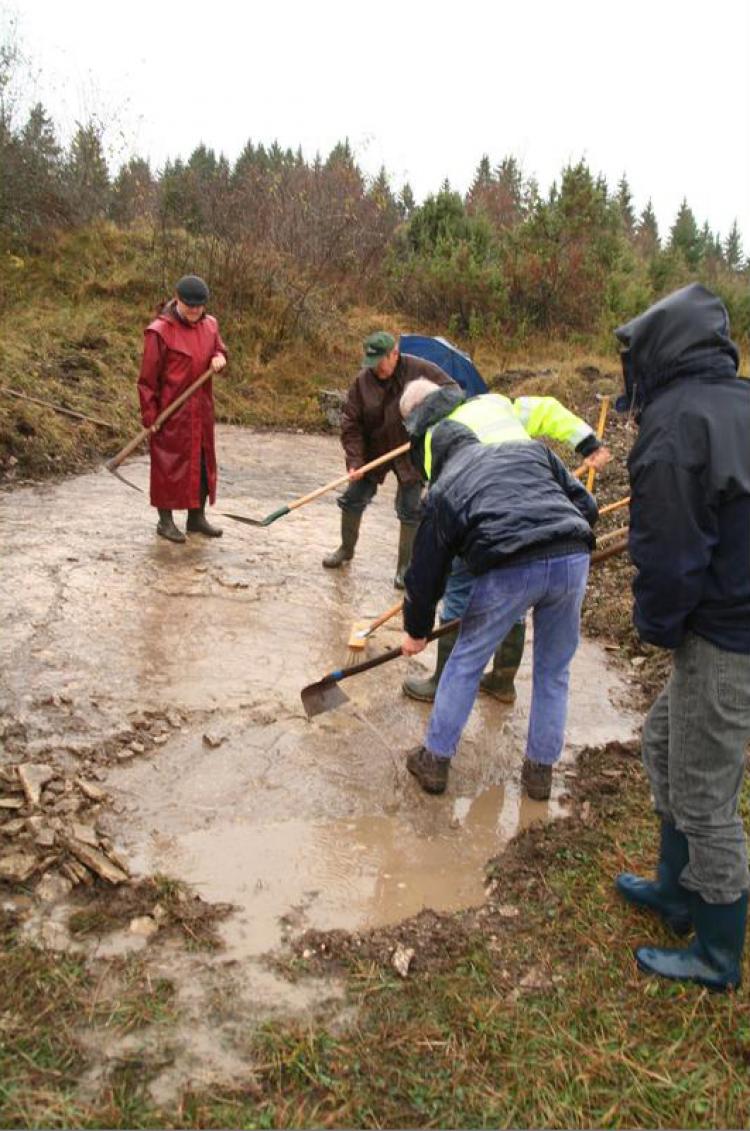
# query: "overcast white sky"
[658,89]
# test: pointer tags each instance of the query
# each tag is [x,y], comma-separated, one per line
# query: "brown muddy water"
[299,823]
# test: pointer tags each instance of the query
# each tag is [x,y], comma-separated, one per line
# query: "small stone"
[159,912]
[13,827]
[32,777]
[174,719]
[45,838]
[212,739]
[88,789]
[12,803]
[402,959]
[52,888]
[55,787]
[507,911]
[96,861]
[160,739]
[586,811]
[17,866]
[137,747]
[144,926]
[86,834]
[307,953]
[126,754]
[54,935]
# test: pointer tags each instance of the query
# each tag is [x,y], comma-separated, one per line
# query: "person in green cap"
[371,425]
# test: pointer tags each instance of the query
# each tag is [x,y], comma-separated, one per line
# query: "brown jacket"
[371,423]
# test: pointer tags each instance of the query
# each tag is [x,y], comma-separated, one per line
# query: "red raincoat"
[175,354]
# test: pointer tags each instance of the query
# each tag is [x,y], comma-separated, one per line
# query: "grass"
[540,1020]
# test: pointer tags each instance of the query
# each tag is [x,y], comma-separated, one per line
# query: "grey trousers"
[694,742]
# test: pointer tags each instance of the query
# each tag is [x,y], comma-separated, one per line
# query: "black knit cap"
[192,291]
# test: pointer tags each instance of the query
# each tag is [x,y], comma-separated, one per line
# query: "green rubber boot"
[425,689]
[406,538]
[350,522]
[507,660]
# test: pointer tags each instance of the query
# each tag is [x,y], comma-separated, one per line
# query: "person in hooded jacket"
[690,543]
[541,417]
[522,523]
[179,346]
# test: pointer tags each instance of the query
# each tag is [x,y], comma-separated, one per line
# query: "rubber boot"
[506,662]
[197,523]
[406,537]
[350,522]
[665,896]
[425,689]
[714,958]
[166,527]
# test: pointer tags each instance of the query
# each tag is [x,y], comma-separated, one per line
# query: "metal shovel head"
[118,475]
[325,695]
[257,521]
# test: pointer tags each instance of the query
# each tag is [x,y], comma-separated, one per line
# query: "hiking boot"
[167,529]
[507,659]
[431,772]
[350,521]
[197,523]
[714,958]
[665,896]
[425,689]
[406,537]
[537,779]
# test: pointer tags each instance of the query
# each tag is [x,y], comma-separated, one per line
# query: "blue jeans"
[554,589]
[361,492]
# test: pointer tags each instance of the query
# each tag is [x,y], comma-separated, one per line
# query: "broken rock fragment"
[32,776]
[17,866]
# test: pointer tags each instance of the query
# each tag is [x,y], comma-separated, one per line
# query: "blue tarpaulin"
[450,358]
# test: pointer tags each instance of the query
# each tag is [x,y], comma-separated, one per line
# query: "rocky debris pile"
[50,831]
[331,403]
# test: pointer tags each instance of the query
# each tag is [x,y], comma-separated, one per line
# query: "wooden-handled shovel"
[326,693]
[113,464]
[317,493]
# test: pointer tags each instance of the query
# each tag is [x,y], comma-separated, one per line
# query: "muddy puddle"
[205,647]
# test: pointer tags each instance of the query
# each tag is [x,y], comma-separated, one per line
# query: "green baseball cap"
[376,347]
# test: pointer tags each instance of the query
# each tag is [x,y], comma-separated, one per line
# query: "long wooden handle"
[384,617]
[345,478]
[599,433]
[58,408]
[144,432]
[615,506]
[392,654]
[609,552]
[620,532]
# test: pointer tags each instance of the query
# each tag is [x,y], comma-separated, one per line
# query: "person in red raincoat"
[180,345]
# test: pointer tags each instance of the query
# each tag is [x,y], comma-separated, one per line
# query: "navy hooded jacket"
[495,504]
[689,473]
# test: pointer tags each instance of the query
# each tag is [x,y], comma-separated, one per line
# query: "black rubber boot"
[506,662]
[197,523]
[664,896]
[714,958]
[425,689]
[350,523]
[167,529]
[406,537]
[430,771]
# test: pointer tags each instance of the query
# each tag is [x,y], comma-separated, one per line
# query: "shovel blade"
[114,471]
[325,695]
[257,521]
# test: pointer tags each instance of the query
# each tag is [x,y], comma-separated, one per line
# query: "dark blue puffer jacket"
[689,473]
[494,505]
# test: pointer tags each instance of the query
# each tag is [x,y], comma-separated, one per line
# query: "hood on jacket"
[685,334]
[432,409]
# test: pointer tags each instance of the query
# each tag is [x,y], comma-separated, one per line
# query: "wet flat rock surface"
[166,679]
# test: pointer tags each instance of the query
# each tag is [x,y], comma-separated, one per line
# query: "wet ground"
[173,673]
